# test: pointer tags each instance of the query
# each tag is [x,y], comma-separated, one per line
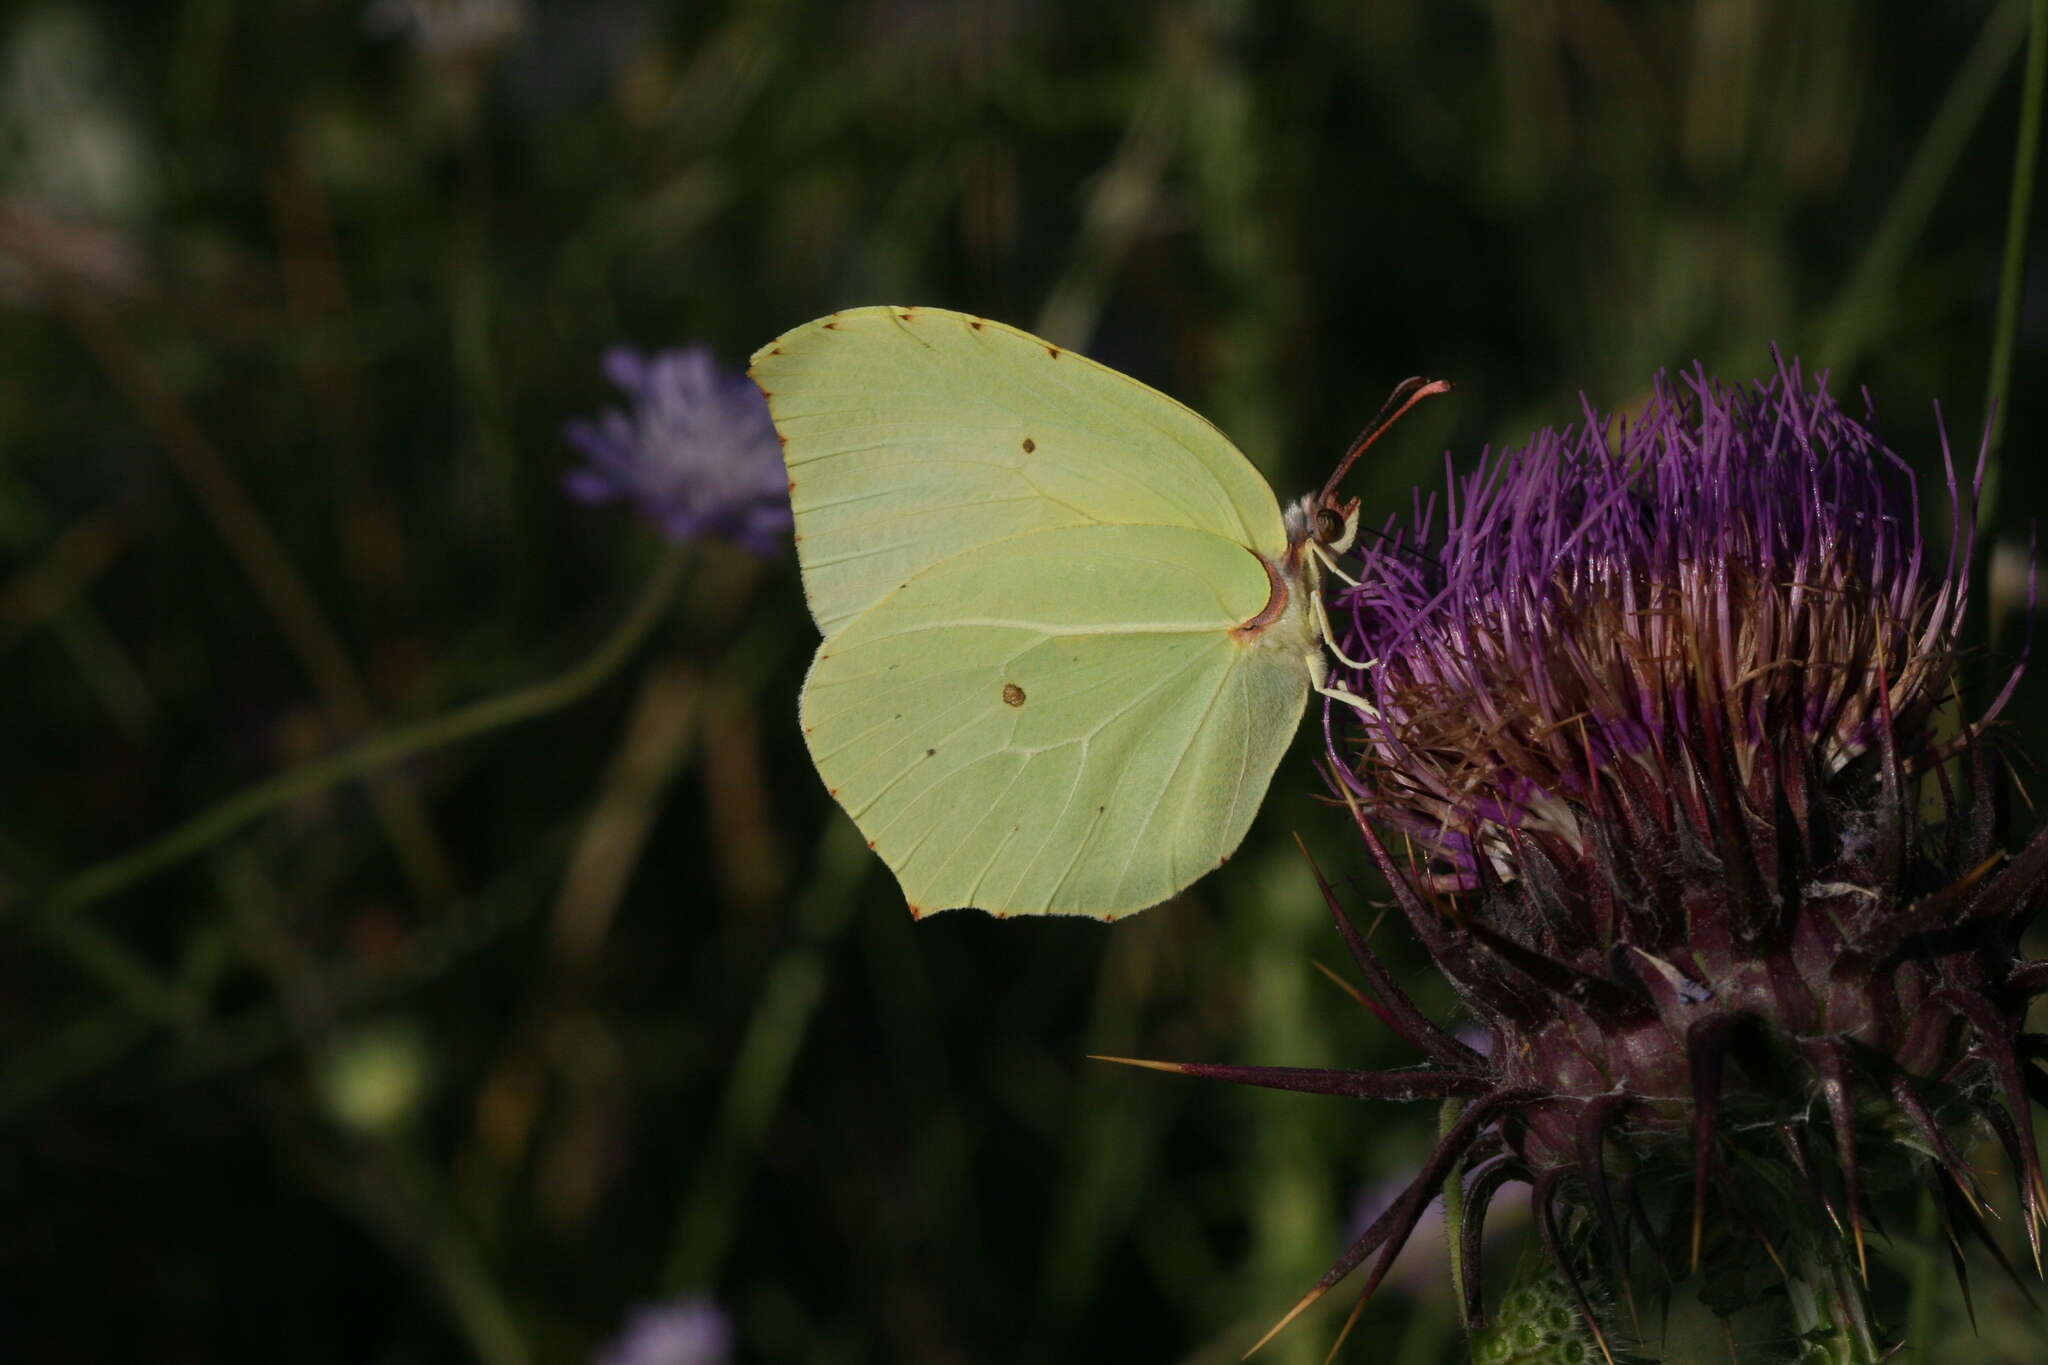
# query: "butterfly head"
[1331,526]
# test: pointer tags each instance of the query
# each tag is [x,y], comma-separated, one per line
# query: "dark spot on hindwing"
[1013,695]
[1029,445]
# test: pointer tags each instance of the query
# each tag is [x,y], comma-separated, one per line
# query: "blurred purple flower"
[695,454]
[449,28]
[686,1331]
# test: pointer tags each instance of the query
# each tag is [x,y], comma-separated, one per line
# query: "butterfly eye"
[1329,525]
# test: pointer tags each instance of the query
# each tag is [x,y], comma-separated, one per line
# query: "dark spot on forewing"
[1029,445]
[1053,351]
[1013,695]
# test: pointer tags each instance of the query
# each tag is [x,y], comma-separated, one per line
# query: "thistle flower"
[697,454]
[1655,757]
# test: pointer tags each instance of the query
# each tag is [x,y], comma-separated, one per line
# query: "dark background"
[610,1006]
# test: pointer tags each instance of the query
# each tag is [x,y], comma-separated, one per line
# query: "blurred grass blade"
[2012,281]
[755,1087]
[1864,311]
[220,821]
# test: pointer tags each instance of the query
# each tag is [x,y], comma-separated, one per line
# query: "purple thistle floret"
[696,454]
[1656,749]
[1734,568]
[687,1331]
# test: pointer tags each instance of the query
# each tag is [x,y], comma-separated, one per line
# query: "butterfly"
[1068,630]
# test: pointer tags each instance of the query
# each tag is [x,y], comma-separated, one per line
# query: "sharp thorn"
[1177,1068]
[1292,1313]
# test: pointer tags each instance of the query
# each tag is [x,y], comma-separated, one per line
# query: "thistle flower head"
[1733,581]
[1652,743]
[696,453]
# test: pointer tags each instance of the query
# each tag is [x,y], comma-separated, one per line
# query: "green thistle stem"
[1454,1210]
[210,826]
[1830,1304]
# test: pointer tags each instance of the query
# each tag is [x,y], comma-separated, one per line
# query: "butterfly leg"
[1315,598]
[1319,678]
[1328,562]
[1352,700]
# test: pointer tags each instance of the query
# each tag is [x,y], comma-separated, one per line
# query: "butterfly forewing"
[913,434]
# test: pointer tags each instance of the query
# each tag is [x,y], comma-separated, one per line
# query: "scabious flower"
[696,454]
[1659,754]
[685,1331]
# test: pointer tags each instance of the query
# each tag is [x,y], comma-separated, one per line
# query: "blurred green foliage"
[611,1006]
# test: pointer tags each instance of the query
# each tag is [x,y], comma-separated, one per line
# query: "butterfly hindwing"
[1061,722]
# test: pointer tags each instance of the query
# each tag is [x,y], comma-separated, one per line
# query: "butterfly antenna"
[1403,549]
[1406,395]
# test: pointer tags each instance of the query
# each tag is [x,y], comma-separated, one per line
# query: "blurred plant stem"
[659,726]
[1927,1270]
[1120,202]
[2019,216]
[377,1174]
[1865,310]
[789,997]
[470,327]
[388,1186]
[270,570]
[218,822]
